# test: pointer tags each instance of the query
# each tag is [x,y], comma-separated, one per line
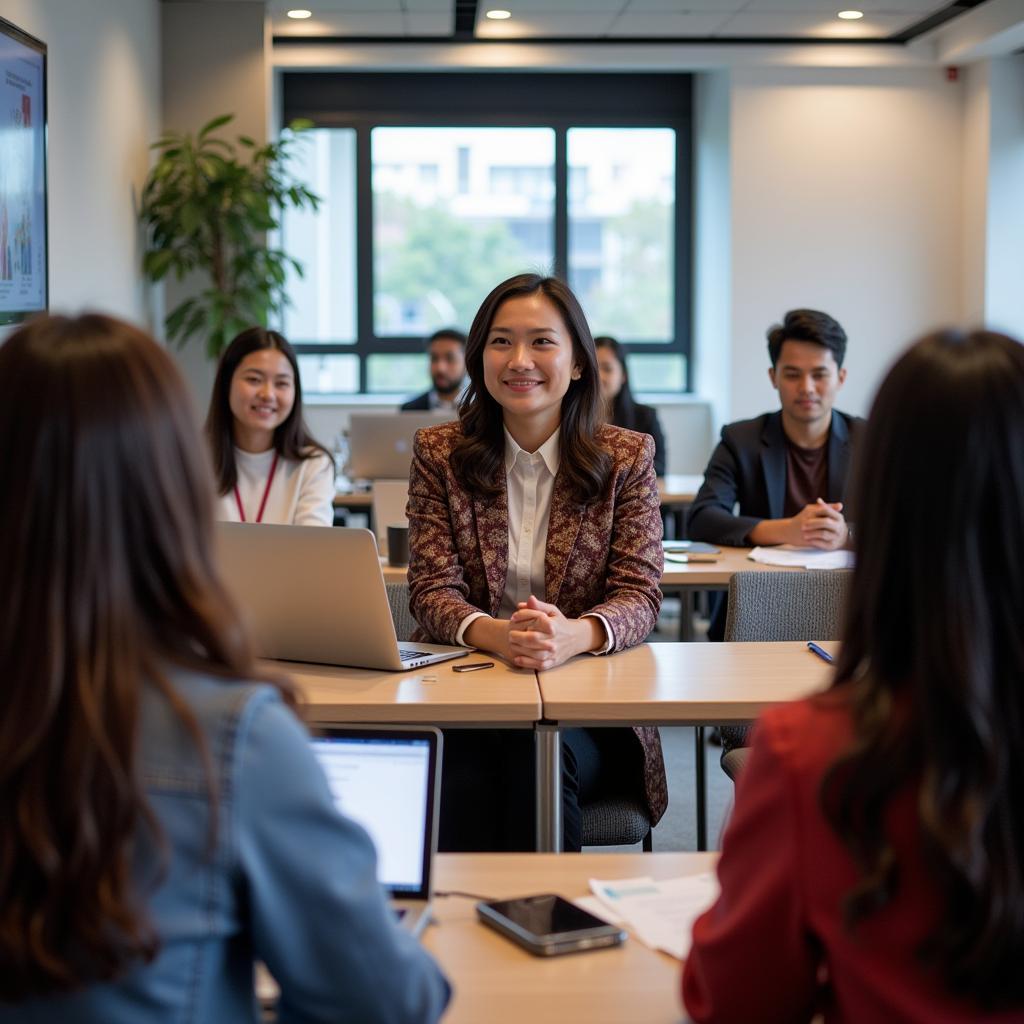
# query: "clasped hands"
[541,637]
[820,525]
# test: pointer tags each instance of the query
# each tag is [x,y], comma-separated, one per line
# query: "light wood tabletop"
[715,575]
[679,488]
[683,683]
[496,981]
[434,695]
[674,489]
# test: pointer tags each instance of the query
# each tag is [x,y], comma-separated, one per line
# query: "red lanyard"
[266,493]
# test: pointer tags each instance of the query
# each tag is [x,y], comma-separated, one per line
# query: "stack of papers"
[660,914]
[802,558]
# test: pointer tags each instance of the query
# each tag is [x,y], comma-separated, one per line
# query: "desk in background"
[496,981]
[669,684]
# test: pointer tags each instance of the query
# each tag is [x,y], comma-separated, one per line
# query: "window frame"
[559,101]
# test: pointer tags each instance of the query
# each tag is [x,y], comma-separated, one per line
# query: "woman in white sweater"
[268,468]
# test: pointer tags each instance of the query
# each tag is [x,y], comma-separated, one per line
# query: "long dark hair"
[108,568]
[478,459]
[932,661]
[292,438]
[623,404]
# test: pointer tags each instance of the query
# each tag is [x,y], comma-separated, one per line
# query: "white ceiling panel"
[666,24]
[324,7]
[441,23]
[356,24]
[538,25]
[579,8]
[686,6]
[910,7]
[820,26]
[430,6]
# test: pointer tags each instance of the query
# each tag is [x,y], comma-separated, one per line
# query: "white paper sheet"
[802,558]
[660,914]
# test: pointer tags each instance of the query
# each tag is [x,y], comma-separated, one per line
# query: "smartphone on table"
[548,925]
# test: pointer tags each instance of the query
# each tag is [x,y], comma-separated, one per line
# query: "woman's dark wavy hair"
[624,404]
[477,461]
[292,438]
[933,653]
[108,567]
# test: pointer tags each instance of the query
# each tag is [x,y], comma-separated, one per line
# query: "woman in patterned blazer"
[535,534]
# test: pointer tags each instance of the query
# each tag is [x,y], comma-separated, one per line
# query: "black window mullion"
[561,203]
[364,253]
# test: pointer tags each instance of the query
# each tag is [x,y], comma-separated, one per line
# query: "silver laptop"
[388,780]
[317,594]
[380,444]
[390,498]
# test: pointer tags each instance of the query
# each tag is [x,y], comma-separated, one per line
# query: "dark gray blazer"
[421,403]
[749,466]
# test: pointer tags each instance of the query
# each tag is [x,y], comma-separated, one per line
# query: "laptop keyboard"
[409,655]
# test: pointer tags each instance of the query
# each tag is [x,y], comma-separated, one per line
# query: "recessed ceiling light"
[850,15]
[499,15]
[299,13]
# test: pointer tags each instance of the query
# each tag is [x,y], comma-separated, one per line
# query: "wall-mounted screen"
[23,238]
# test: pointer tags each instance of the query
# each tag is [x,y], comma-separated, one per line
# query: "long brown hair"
[108,568]
[932,661]
[292,439]
[478,459]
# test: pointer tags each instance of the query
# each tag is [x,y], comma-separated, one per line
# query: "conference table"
[678,578]
[494,980]
[676,490]
[432,695]
[695,684]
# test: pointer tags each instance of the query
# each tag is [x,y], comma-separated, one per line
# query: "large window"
[437,187]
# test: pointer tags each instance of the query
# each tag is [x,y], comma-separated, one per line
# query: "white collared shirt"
[529,485]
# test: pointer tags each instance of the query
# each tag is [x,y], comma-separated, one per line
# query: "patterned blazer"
[605,557]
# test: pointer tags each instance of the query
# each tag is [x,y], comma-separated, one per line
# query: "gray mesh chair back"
[398,598]
[616,821]
[778,606]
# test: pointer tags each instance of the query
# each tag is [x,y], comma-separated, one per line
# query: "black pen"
[820,652]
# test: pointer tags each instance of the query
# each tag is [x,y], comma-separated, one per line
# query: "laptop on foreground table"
[316,594]
[388,780]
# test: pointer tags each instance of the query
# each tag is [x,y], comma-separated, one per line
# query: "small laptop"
[390,498]
[314,593]
[380,445]
[388,780]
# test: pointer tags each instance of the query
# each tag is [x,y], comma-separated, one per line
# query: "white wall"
[104,110]
[846,197]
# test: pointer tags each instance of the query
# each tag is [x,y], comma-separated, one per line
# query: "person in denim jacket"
[165,822]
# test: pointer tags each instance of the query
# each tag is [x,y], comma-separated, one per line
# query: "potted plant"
[207,205]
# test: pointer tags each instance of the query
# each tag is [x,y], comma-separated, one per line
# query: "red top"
[774,947]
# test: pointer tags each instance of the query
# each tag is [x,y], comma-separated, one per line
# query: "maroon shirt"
[806,476]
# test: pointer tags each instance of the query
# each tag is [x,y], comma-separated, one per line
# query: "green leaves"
[207,205]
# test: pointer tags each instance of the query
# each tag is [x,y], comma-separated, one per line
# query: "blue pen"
[820,652]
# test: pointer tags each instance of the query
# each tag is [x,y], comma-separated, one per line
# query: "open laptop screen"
[385,784]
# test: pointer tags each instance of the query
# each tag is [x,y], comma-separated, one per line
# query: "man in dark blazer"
[447,351]
[787,470]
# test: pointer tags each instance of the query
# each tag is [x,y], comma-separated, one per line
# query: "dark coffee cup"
[398,545]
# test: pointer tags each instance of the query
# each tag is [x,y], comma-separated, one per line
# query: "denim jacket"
[285,879]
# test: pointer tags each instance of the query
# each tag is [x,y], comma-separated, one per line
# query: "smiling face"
[807,379]
[262,395]
[529,363]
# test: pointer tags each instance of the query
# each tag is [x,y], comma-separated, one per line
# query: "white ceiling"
[599,19]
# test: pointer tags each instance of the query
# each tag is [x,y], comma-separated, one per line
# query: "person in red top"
[873,869]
